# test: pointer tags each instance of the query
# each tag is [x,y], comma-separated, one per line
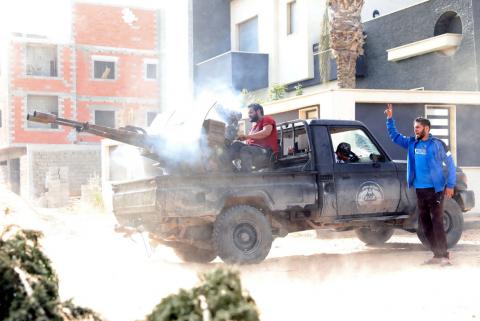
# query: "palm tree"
[346,38]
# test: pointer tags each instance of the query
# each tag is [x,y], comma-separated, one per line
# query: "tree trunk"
[346,67]
[346,38]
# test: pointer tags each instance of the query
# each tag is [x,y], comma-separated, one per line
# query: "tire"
[453,224]
[190,253]
[242,235]
[376,236]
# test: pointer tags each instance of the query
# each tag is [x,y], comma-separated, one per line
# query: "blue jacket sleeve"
[395,136]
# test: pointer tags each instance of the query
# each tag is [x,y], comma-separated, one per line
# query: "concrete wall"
[468,135]
[385,7]
[290,55]
[4,173]
[210,28]
[82,163]
[373,117]
[433,71]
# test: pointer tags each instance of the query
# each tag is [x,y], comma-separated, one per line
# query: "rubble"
[56,185]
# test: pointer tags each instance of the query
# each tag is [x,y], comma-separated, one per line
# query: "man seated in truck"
[259,147]
[344,154]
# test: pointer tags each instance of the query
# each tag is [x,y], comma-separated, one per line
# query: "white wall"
[290,56]
[176,77]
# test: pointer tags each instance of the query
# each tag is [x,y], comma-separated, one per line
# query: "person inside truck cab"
[344,154]
[260,146]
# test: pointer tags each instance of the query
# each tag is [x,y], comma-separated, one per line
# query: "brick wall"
[81,165]
[114,26]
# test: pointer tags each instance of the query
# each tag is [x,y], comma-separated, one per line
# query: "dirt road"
[304,278]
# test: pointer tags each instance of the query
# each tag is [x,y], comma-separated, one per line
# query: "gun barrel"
[129,135]
[40,117]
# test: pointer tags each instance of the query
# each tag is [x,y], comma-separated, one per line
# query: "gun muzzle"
[40,117]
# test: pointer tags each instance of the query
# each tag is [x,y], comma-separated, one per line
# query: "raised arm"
[395,136]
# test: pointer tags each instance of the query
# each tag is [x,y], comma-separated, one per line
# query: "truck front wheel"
[452,223]
[242,235]
[374,236]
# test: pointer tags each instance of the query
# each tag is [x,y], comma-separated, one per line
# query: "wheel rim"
[446,222]
[245,237]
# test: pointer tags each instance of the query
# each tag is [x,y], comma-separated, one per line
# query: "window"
[105,118]
[308,113]
[151,117]
[293,140]
[291,17]
[45,104]
[150,70]
[41,60]
[441,120]
[449,22]
[104,67]
[248,35]
[360,143]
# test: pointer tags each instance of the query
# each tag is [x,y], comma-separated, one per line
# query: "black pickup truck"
[236,216]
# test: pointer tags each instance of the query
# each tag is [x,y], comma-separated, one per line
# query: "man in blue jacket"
[425,160]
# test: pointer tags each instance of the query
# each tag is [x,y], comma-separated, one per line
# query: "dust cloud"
[303,278]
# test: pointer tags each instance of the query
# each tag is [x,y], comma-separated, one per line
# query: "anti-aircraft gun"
[215,136]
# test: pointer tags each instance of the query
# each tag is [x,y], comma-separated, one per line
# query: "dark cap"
[344,149]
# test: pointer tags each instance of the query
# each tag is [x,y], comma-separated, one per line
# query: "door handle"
[376,165]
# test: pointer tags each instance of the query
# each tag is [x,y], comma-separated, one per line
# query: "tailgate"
[134,197]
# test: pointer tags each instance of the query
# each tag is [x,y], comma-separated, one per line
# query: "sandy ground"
[304,277]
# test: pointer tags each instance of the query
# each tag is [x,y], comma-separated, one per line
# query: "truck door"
[367,183]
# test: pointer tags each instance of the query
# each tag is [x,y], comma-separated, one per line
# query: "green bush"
[28,283]
[277,92]
[219,297]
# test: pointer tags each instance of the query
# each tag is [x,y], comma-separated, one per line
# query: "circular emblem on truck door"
[369,196]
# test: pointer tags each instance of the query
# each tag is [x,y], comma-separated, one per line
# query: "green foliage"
[298,89]
[277,92]
[219,297]
[28,283]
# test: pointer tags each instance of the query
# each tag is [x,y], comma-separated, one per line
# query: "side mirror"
[376,158]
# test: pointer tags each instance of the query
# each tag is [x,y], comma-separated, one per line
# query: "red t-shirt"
[271,140]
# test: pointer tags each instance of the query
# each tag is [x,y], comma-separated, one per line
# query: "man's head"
[255,112]
[421,127]
[344,151]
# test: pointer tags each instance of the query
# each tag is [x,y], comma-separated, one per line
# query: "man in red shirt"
[260,144]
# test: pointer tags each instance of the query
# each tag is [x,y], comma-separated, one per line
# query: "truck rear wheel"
[242,235]
[452,222]
[374,236]
[190,253]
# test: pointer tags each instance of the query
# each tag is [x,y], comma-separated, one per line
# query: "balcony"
[234,70]
[446,43]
